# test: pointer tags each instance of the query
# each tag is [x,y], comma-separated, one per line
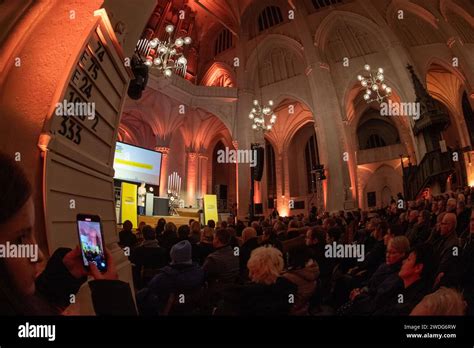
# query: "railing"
[380,154]
[433,164]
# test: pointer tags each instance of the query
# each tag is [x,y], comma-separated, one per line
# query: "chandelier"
[375,88]
[263,117]
[167,56]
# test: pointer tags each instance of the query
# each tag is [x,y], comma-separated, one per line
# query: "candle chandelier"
[262,116]
[375,88]
[166,56]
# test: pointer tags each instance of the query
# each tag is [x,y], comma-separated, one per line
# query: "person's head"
[230,220]
[221,238]
[141,225]
[17,226]
[448,224]
[444,301]
[268,233]
[413,216]
[211,223]
[195,229]
[148,233]
[293,224]
[248,233]
[441,205]
[127,225]
[451,205]
[191,222]
[434,207]
[381,230]
[223,224]
[424,217]
[181,253]
[315,235]
[183,232]
[160,226]
[265,265]
[397,250]
[279,227]
[329,223]
[170,227]
[393,231]
[460,207]
[298,257]
[333,235]
[418,265]
[207,235]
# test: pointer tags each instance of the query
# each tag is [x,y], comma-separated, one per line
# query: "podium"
[161,206]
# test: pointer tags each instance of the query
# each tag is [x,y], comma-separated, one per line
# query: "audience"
[249,243]
[147,258]
[267,293]
[127,238]
[180,278]
[222,265]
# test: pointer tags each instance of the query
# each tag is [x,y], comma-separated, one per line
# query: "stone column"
[191,176]
[164,169]
[203,160]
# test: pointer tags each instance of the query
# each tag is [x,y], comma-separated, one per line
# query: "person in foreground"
[22,290]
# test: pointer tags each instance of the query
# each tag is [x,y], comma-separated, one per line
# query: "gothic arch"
[265,46]
[219,74]
[332,20]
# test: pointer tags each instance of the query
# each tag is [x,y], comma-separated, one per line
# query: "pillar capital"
[163,149]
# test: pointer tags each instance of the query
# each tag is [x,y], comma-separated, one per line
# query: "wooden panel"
[78,166]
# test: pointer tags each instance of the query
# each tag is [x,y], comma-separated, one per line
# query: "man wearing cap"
[171,290]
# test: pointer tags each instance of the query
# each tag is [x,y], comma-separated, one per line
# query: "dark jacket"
[176,280]
[419,234]
[411,297]
[147,257]
[54,287]
[222,265]
[245,251]
[258,299]
[305,280]
[202,250]
[467,272]
[447,262]
[127,239]
[379,291]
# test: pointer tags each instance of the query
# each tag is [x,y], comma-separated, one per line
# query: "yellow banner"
[210,208]
[129,203]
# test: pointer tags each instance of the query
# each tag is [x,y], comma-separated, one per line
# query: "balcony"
[380,154]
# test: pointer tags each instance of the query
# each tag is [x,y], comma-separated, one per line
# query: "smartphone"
[91,240]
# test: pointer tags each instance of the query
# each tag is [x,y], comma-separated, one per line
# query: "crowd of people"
[418,259]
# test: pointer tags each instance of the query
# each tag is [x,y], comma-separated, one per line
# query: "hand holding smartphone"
[91,241]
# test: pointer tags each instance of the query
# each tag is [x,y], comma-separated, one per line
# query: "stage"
[185,214]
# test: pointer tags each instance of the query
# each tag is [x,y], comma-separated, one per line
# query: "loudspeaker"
[161,206]
[258,208]
[221,191]
[258,169]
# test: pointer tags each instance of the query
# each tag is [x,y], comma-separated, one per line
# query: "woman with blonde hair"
[267,293]
[444,301]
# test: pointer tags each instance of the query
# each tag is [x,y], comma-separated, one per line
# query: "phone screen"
[92,244]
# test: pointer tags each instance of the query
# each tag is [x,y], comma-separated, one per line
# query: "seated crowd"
[418,259]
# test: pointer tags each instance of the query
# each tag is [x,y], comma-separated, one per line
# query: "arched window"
[375,131]
[319,4]
[311,159]
[269,17]
[375,140]
[223,41]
